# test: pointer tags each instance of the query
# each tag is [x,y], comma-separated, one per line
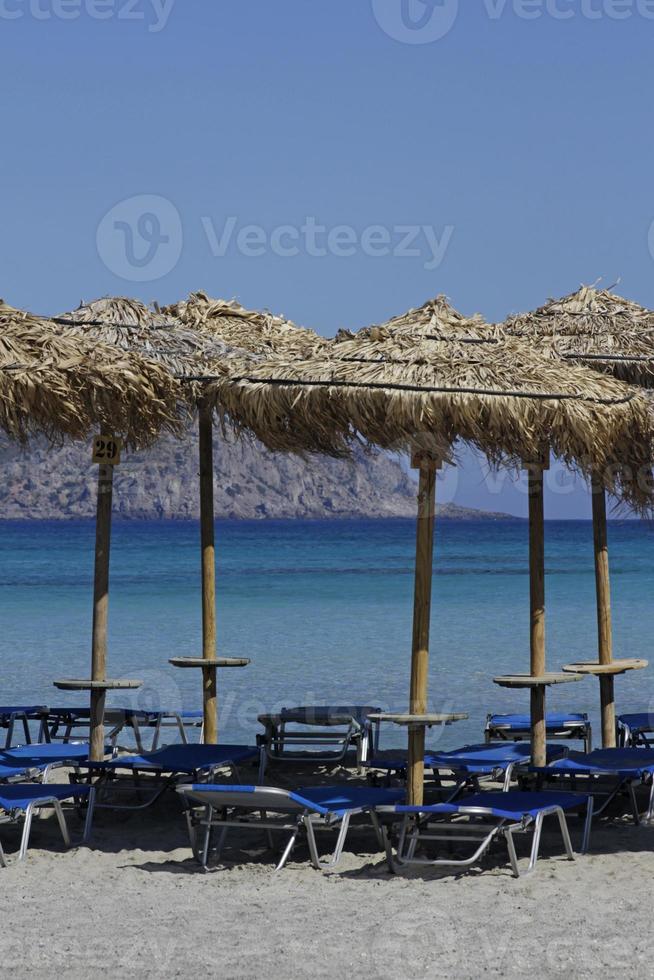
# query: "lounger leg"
[388,848]
[263,759]
[289,847]
[24,841]
[88,822]
[565,834]
[650,805]
[585,844]
[508,776]
[3,860]
[535,846]
[376,826]
[634,803]
[136,728]
[221,842]
[62,822]
[207,837]
[313,847]
[513,857]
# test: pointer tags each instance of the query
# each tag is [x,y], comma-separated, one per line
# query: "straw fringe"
[54,382]
[403,393]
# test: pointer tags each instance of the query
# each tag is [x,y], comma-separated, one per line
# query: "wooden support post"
[100,609]
[421,621]
[209,674]
[537,610]
[604,630]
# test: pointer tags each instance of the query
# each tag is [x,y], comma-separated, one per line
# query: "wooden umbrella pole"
[604,630]
[537,610]
[100,609]
[209,673]
[421,620]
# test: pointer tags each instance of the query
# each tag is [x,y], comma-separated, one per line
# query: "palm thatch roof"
[260,333]
[406,394]
[436,319]
[54,382]
[597,328]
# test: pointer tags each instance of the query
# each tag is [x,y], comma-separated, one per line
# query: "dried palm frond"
[130,325]
[436,319]
[55,382]
[259,333]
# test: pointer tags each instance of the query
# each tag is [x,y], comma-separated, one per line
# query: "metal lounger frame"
[15,815]
[627,737]
[504,733]
[206,773]
[24,718]
[120,719]
[413,826]
[277,737]
[627,783]
[306,820]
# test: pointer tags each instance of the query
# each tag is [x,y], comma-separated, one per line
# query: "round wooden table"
[418,721]
[614,668]
[72,684]
[187,662]
[540,680]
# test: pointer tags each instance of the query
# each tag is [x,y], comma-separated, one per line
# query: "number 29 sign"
[106,450]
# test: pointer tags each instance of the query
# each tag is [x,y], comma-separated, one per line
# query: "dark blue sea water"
[323,609]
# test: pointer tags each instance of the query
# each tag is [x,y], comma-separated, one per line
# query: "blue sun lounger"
[172,763]
[605,772]
[320,733]
[10,773]
[636,730]
[558,725]
[21,715]
[45,756]
[20,801]
[62,723]
[471,764]
[306,809]
[478,820]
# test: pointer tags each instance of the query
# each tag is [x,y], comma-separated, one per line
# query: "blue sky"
[152,147]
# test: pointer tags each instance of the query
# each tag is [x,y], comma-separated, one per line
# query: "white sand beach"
[134,902]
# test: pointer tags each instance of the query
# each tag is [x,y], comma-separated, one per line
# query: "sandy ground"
[134,902]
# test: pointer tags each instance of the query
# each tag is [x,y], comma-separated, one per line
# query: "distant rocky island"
[250,482]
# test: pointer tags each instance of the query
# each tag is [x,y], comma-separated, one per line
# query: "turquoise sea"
[323,609]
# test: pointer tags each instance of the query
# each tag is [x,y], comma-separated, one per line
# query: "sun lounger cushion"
[505,806]
[553,720]
[623,762]
[323,800]
[45,754]
[21,795]
[184,758]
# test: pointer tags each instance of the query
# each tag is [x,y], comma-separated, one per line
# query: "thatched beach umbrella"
[421,396]
[183,353]
[615,336]
[53,381]
[189,340]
